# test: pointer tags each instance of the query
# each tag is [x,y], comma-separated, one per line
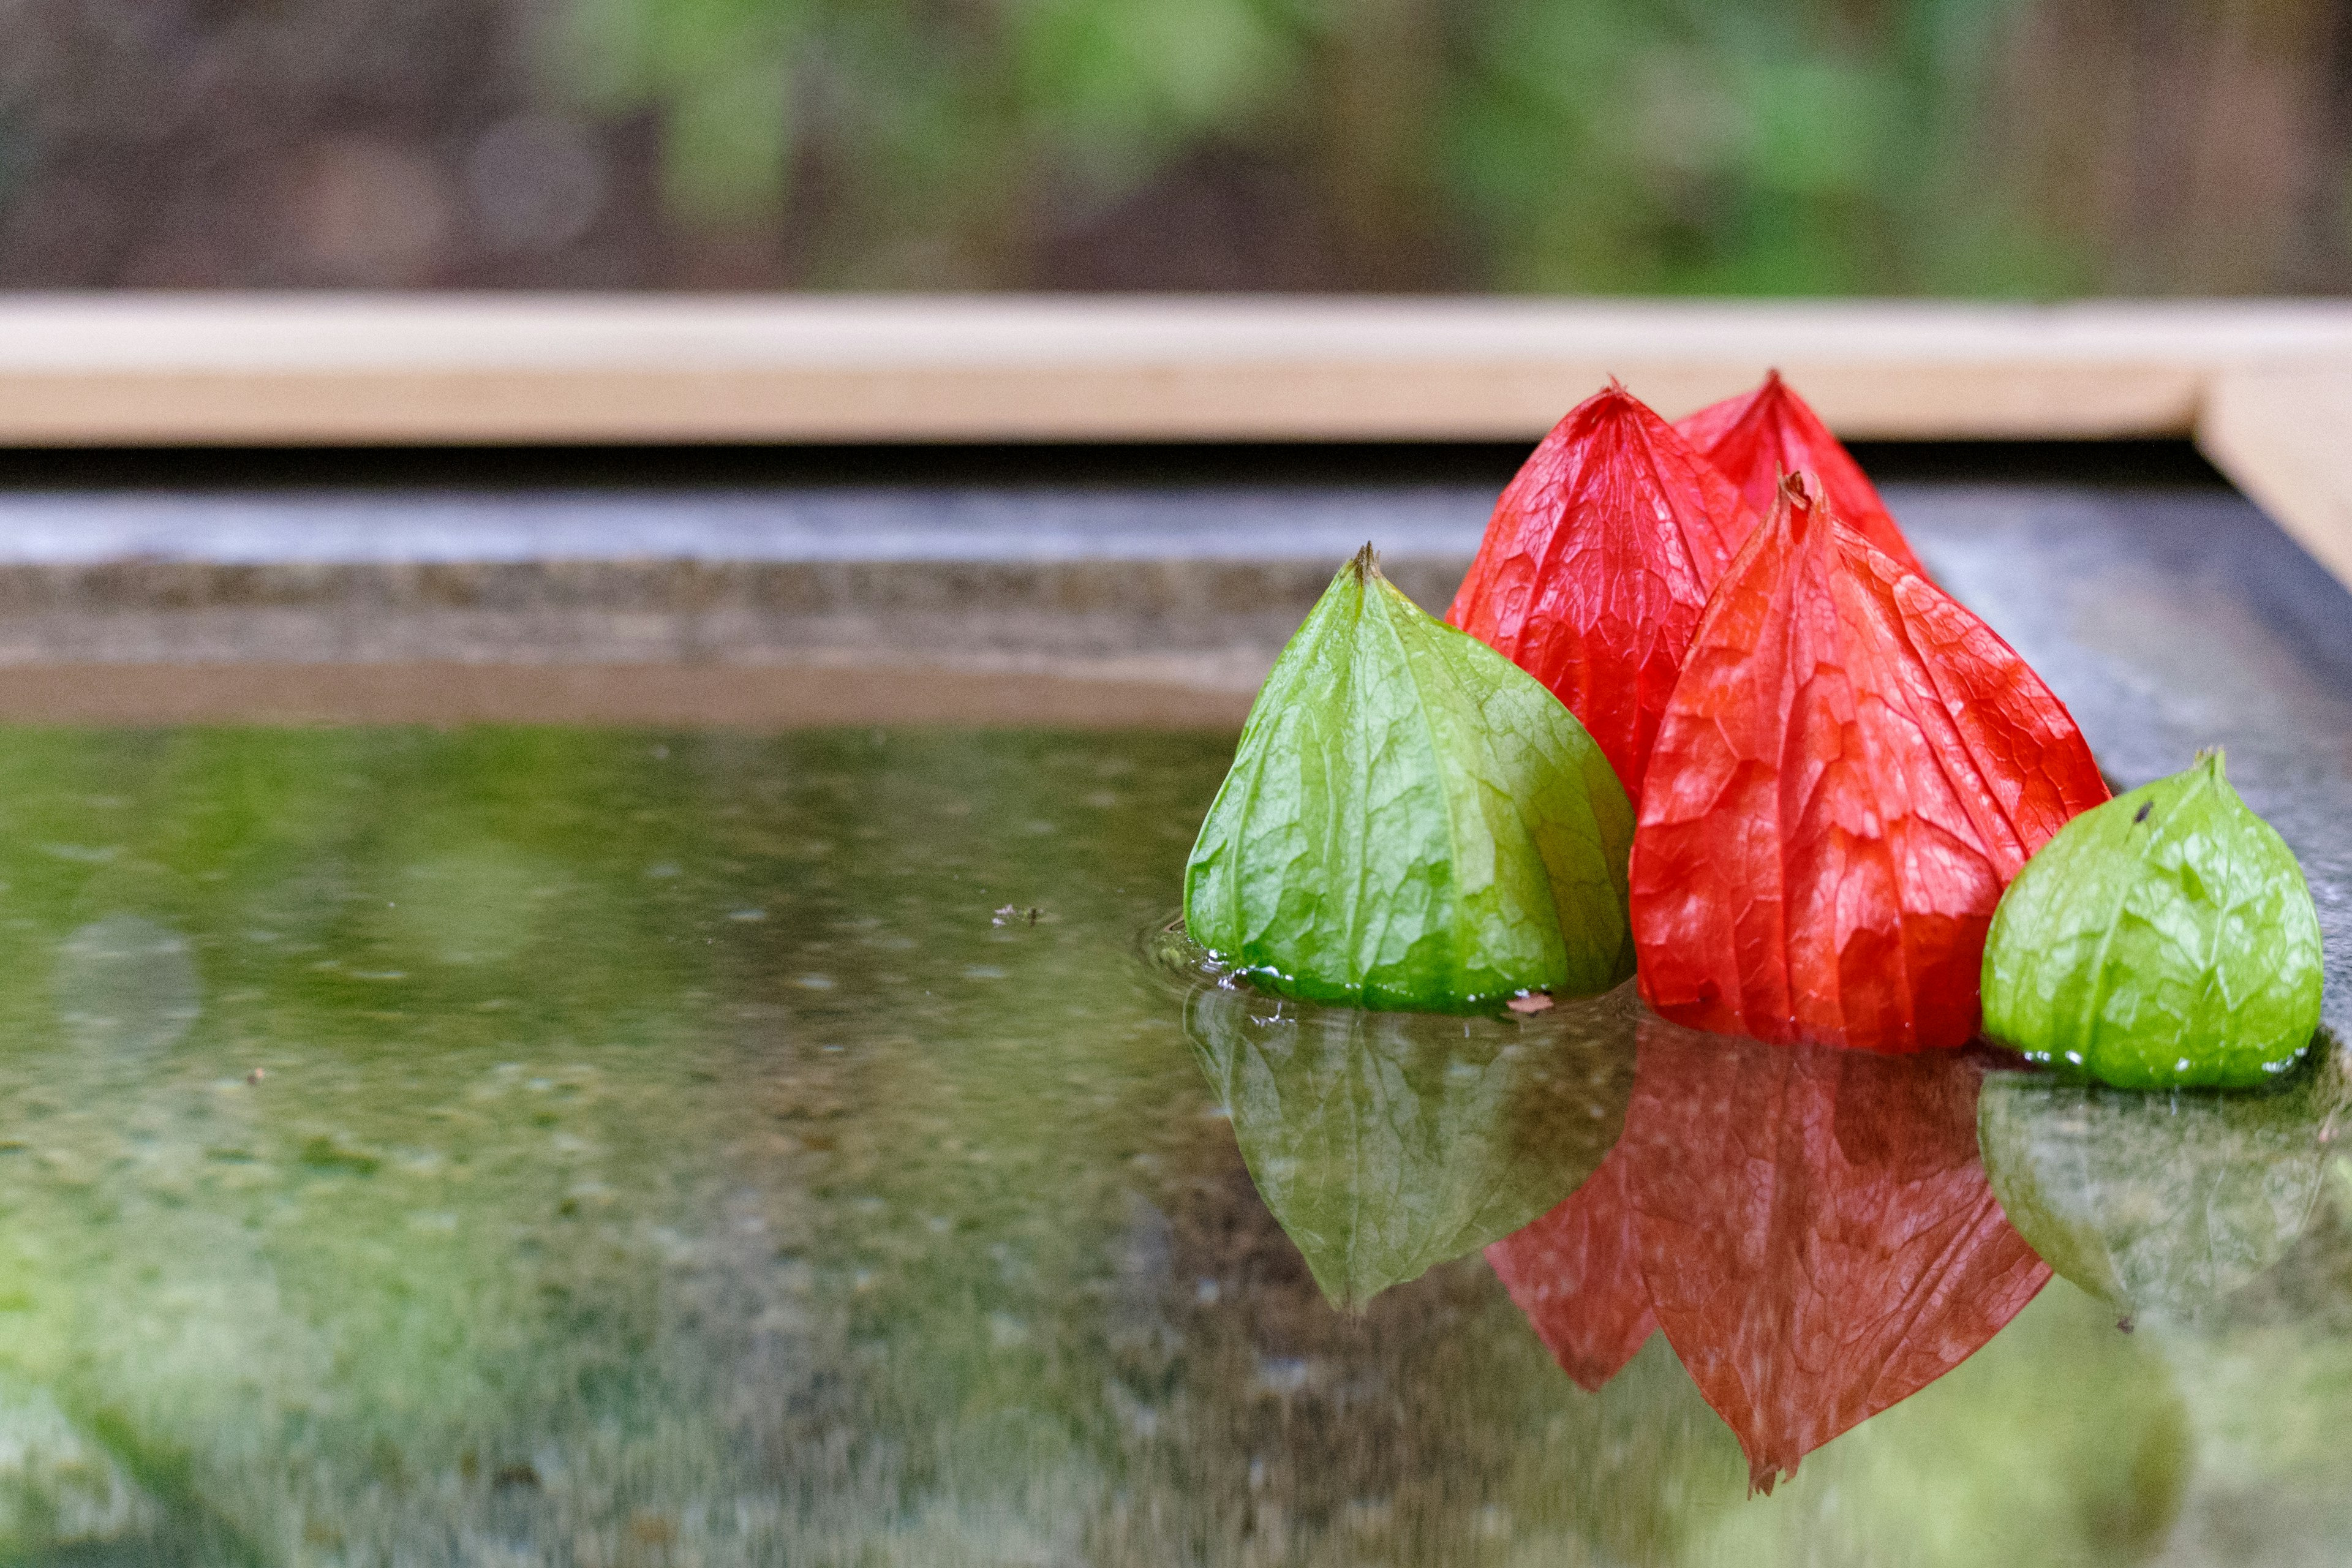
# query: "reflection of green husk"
[2165,939]
[1386,1143]
[2161,1205]
[1412,822]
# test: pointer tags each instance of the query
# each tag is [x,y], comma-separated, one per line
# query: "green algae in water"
[661,1156]
[2165,939]
[1412,822]
[619,1094]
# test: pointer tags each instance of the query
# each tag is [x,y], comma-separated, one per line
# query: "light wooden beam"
[304,369]
[2283,436]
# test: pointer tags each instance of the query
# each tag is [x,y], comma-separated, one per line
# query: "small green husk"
[1412,822]
[2165,939]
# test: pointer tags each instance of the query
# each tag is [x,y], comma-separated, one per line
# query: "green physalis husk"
[1412,822]
[2165,939]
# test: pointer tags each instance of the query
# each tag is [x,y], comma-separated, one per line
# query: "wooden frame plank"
[437,369]
[2283,436]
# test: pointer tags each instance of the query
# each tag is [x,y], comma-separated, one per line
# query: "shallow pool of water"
[612,1146]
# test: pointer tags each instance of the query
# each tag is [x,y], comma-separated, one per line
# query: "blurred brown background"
[2016,148]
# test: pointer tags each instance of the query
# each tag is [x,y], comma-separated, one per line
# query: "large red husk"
[1812,1227]
[1848,773]
[1598,561]
[1759,436]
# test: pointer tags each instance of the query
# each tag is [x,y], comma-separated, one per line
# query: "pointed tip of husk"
[1344,1293]
[1367,563]
[1799,496]
[2214,760]
[1770,398]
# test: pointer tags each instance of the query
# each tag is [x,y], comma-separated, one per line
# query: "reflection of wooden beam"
[426,369]
[706,696]
[2284,437]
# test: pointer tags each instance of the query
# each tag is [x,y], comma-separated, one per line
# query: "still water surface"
[602,1147]
[605,1147]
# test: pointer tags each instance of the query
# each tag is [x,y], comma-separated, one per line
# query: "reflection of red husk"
[1598,561]
[1816,1230]
[1575,1273]
[1850,771]
[1758,437]
[1812,1227]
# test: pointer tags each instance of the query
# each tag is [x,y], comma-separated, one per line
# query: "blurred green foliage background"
[1977,147]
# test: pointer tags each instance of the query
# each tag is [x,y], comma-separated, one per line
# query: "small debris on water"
[2124,1323]
[1533,1002]
[256,1075]
[1008,914]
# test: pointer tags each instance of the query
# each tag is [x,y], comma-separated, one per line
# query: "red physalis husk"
[1850,771]
[1759,436]
[1812,1227]
[1598,561]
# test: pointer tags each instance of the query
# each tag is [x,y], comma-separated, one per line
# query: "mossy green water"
[659,1151]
